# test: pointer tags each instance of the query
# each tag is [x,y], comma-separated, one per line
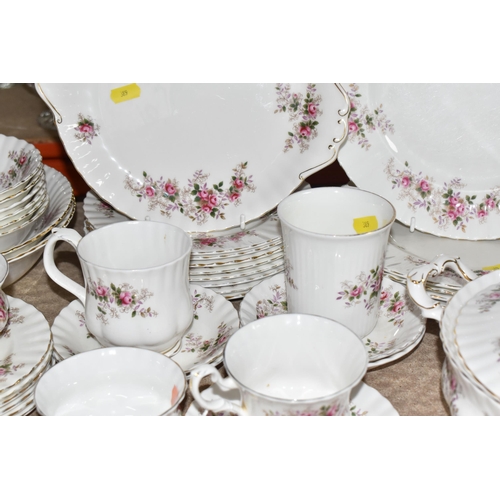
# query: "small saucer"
[365,402]
[215,320]
[399,329]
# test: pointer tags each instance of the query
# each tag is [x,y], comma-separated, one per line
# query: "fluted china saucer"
[399,327]
[365,402]
[215,320]
[25,348]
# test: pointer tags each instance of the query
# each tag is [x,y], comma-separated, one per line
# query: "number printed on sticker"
[126,93]
[365,224]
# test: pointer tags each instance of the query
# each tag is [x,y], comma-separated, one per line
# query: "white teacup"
[335,241]
[290,364]
[4,302]
[114,381]
[136,282]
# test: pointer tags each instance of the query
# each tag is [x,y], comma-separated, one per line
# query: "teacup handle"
[217,404]
[416,279]
[73,238]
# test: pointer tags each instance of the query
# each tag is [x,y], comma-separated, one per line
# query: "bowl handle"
[417,278]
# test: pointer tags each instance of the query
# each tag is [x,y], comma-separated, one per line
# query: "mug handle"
[417,278]
[217,404]
[73,238]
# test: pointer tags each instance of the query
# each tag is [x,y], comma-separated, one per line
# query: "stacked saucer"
[25,355]
[215,320]
[229,262]
[399,329]
[59,212]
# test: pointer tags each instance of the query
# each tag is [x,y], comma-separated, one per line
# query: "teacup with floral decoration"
[136,276]
[4,302]
[290,364]
[335,241]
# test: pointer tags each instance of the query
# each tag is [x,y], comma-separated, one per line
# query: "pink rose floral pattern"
[488,299]
[198,200]
[105,209]
[446,204]
[376,348]
[273,306]
[363,120]
[86,129]
[393,306]
[205,348]
[364,290]
[81,320]
[8,367]
[14,318]
[357,412]
[202,301]
[193,343]
[323,411]
[114,300]
[451,388]
[288,274]
[303,112]
[21,163]
[4,310]
[201,242]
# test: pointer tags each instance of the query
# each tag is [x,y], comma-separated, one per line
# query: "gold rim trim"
[343,113]
[470,372]
[70,208]
[59,119]
[47,353]
[44,241]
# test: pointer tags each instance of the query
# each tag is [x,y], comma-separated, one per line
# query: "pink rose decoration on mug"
[114,300]
[364,291]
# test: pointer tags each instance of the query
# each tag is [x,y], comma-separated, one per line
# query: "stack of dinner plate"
[229,262]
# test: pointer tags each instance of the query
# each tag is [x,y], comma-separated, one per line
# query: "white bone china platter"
[432,150]
[204,157]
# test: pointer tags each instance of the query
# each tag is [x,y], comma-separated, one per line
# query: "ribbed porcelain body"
[330,269]
[136,283]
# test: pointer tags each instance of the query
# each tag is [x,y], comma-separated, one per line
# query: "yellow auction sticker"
[365,224]
[492,268]
[125,93]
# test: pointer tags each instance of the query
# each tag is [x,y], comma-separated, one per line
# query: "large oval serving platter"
[201,156]
[432,150]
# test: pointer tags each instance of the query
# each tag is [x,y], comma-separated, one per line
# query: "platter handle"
[417,278]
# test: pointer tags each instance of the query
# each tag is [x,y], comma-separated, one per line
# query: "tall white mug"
[136,276]
[335,241]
